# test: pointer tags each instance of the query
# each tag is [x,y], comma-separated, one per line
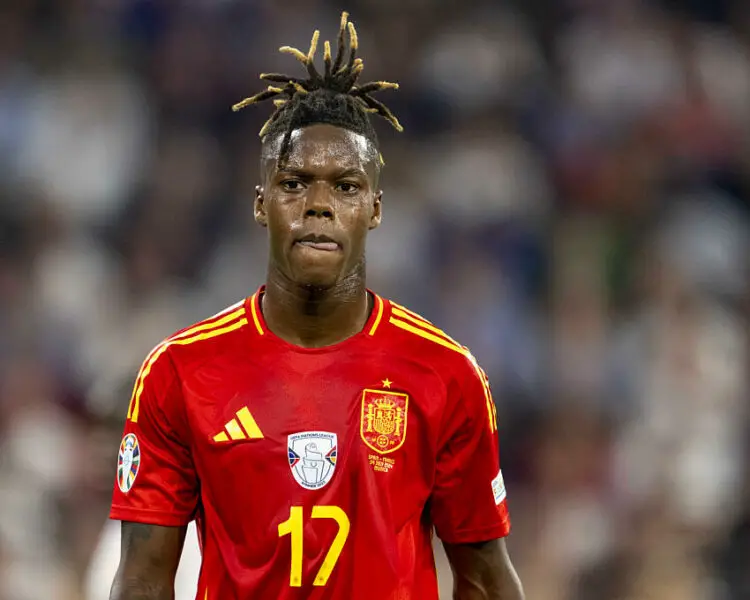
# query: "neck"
[314,317]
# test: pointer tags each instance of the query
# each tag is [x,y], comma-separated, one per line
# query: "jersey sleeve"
[468,501]
[156,481]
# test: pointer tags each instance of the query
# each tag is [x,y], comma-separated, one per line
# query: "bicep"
[483,570]
[149,556]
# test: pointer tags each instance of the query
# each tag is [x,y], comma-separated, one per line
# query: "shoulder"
[158,379]
[466,381]
[421,337]
[199,341]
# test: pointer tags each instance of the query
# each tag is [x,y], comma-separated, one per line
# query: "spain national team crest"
[383,425]
[312,458]
[128,462]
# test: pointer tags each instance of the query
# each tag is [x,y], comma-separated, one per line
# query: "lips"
[319,242]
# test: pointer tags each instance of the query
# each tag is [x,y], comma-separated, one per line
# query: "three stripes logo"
[242,427]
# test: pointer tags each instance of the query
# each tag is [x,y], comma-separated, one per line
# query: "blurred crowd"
[569,199]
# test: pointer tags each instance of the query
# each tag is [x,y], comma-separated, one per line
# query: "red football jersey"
[314,472]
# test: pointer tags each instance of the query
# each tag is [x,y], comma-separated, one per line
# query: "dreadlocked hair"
[331,97]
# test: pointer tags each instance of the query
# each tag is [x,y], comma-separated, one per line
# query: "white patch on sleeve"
[498,488]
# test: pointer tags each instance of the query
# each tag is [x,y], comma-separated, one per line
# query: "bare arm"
[149,557]
[483,571]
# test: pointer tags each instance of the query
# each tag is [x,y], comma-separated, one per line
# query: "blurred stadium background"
[570,199]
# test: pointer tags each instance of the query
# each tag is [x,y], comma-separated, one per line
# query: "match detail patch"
[128,462]
[498,488]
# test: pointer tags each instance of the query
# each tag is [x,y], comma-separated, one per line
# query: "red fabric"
[441,460]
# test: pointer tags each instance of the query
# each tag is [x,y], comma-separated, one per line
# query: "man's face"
[320,204]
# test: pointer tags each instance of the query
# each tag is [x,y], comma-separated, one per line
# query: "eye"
[347,187]
[291,185]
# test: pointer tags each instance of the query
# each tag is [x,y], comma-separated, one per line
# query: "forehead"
[324,147]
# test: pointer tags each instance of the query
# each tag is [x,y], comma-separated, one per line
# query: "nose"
[319,202]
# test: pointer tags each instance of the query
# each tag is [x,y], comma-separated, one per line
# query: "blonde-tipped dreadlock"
[331,97]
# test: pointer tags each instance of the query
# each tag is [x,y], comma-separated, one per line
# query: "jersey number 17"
[294,526]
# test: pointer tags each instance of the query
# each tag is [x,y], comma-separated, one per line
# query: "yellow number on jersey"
[294,526]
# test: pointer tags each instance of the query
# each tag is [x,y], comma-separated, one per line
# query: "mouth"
[318,242]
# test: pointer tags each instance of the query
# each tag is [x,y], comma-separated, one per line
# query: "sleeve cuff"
[150,517]
[473,536]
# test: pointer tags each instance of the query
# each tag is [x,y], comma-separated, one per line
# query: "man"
[316,432]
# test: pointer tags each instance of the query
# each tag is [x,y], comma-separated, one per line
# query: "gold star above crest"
[387,383]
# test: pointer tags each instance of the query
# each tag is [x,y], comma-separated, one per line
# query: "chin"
[317,281]
[314,274]
[317,273]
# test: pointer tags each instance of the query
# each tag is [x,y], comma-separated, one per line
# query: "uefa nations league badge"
[312,458]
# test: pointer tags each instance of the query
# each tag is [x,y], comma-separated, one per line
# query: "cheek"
[360,225]
[279,231]
[280,217]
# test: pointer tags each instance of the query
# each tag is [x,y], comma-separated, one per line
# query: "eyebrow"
[352,171]
[302,173]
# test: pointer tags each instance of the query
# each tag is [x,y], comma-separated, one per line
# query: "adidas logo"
[243,427]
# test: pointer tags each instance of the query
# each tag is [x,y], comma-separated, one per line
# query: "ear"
[377,210]
[259,207]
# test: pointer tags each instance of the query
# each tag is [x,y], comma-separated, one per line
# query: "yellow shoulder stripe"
[202,326]
[491,408]
[406,326]
[195,334]
[411,312]
[432,333]
[424,323]
[233,312]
